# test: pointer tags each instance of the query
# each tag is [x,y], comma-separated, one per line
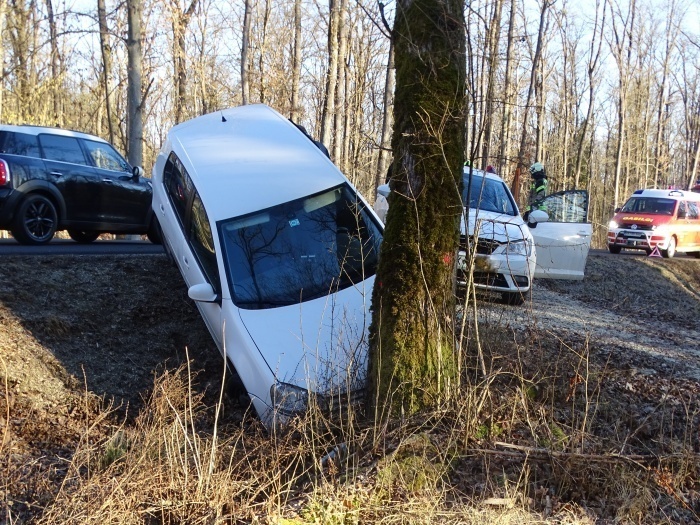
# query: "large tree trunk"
[413,362]
[494,32]
[387,121]
[509,95]
[180,22]
[531,88]
[331,75]
[295,113]
[245,44]
[106,63]
[56,117]
[134,92]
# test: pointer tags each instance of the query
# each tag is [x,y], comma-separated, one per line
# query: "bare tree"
[134,87]
[106,63]
[245,81]
[295,112]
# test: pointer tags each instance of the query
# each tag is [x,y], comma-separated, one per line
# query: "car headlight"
[289,399]
[613,225]
[523,248]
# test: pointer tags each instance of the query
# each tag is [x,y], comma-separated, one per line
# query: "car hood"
[320,344]
[628,218]
[496,226]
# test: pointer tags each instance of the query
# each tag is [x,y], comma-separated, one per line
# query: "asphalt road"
[70,247]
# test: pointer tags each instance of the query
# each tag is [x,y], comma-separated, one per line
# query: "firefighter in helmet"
[538,188]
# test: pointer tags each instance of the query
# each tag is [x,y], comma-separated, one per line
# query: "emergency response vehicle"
[665,219]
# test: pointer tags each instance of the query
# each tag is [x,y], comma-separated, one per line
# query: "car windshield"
[300,250]
[488,194]
[651,205]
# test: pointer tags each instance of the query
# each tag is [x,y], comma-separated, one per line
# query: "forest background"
[606,94]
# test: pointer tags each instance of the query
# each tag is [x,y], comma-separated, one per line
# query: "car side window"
[104,156]
[63,149]
[19,144]
[566,206]
[693,211]
[178,185]
[202,241]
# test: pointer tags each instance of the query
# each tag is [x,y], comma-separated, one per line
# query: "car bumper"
[638,240]
[497,272]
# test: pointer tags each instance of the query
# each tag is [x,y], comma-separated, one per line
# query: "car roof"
[236,156]
[481,173]
[668,194]
[38,130]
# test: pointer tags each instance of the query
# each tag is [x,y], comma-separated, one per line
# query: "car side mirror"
[617,210]
[383,190]
[535,217]
[137,173]
[202,293]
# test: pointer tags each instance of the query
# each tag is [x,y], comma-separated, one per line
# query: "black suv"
[53,179]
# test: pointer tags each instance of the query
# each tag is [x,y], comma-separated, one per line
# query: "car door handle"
[162,209]
[56,174]
[108,181]
[186,261]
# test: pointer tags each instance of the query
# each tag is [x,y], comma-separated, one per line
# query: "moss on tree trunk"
[413,360]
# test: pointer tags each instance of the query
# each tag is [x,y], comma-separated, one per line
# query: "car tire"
[36,220]
[614,249]
[695,254]
[514,298]
[155,234]
[669,252]
[83,237]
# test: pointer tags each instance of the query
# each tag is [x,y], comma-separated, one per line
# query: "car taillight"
[4,173]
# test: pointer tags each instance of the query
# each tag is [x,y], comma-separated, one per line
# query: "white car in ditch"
[278,250]
[508,251]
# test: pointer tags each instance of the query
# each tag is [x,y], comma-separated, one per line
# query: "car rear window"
[15,143]
[63,149]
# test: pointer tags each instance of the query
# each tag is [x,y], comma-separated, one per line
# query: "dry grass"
[554,431]
[175,466]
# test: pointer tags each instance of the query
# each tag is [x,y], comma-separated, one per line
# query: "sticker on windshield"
[294,222]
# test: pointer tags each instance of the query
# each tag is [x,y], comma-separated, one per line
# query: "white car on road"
[278,250]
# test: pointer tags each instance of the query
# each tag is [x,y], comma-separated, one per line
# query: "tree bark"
[295,113]
[413,363]
[106,63]
[134,88]
[531,88]
[245,44]
[387,120]
[331,75]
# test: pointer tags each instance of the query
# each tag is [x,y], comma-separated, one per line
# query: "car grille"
[485,279]
[483,246]
[642,227]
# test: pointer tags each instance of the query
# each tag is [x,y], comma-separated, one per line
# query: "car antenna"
[223,119]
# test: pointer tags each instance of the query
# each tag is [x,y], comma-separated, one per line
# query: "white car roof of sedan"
[249,158]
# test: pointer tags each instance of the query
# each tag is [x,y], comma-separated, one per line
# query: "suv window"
[63,149]
[105,156]
[178,185]
[19,144]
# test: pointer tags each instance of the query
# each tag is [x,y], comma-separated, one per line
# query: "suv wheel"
[155,234]
[36,220]
[614,249]
[83,237]
[671,250]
